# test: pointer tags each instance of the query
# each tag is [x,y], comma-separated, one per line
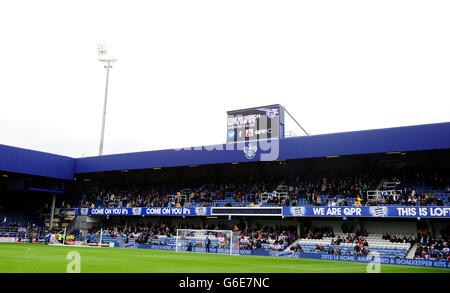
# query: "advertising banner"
[147,211]
[371,212]
[297,211]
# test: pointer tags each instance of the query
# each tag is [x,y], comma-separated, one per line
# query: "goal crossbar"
[209,241]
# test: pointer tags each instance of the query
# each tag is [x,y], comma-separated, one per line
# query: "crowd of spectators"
[344,187]
[141,233]
[278,238]
[13,223]
[321,191]
[319,232]
[297,248]
[151,197]
[428,246]
[339,189]
[435,248]
[269,238]
[359,250]
[358,238]
[437,251]
[20,230]
[397,239]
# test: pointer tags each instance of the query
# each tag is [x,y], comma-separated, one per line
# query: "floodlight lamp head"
[103,53]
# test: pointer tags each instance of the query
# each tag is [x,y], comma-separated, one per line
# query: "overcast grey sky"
[335,65]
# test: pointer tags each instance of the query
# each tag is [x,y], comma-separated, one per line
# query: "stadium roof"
[398,139]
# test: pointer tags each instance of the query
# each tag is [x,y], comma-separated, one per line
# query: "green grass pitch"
[39,258]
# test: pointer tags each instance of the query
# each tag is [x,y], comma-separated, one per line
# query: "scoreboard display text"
[254,123]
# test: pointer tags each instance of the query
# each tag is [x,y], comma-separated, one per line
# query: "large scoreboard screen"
[255,123]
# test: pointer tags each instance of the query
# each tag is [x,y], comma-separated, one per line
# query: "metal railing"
[379,194]
[65,212]
[22,232]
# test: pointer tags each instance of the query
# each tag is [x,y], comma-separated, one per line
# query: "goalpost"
[210,241]
[55,235]
[97,237]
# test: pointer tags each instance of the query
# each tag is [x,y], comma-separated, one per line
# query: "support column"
[430,227]
[50,228]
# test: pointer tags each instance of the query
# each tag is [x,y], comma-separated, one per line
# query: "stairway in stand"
[412,251]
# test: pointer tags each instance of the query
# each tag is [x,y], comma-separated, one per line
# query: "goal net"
[210,241]
[58,237]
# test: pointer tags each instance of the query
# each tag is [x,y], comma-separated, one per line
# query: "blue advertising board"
[405,139]
[380,260]
[372,212]
[297,211]
[321,256]
[144,211]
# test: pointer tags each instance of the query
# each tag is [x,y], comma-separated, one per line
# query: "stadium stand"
[300,183]
[283,239]
[15,218]
[267,238]
[361,246]
[433,247]
[334,191]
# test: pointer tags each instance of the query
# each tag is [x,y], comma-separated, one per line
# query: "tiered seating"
[222,203]
[269,243]
[161,240]
[376,244]
[111,239]
[171,241]
[438,193]
[300,201]
[20,218]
